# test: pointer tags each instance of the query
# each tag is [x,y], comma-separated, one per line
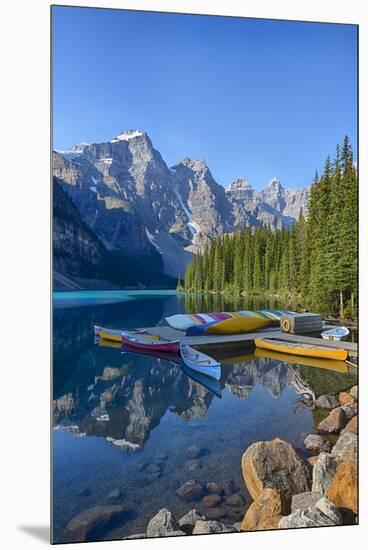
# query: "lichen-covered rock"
[206,527]
[305,500]
[327,402]
[346,447]
[190,491]
[90,524]
[163,524]
[267,509]
[323,472]
[334,422]
[314,442]
[343,491]
[322,514]
[187,522]
[275,465]
[346,398]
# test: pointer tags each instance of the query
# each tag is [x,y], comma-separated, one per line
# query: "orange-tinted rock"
[210,501]
[343,491]
[334,422]
[352,425]
[275,465]
[345,398]
[312,459]
[265,512]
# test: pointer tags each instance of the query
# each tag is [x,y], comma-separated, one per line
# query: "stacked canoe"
[220,322]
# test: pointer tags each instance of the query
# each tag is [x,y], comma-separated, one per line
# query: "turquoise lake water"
[152,408]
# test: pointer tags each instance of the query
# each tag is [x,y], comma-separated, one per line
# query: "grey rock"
[115,495]
[350,410]
[323,514]
[153,476]
[152,468]
[206,527]
[354,392]
[162,524]
[190,491]
[314,442]
[237,525]
[136,536]
[195,452]
[91,523]
[304,501]
[327,402]
[187,522]
[346,447]
[323,472]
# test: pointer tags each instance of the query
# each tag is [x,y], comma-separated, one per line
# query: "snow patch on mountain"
[126,136]
[151,239]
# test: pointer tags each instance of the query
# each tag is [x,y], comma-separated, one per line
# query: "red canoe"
[137,342]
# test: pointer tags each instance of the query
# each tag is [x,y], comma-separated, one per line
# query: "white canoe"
[200,362]
[337,333]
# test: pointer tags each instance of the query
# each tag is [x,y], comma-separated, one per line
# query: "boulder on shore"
[327,402]
[346,447]
[206,527]
[305,500]
[187,522]
[314,442]
[346,398]
[343,491]
[275,465]
[334,422]
[352,425]
[354,392]
[322,514]
[163,524]
[323,472]
[265,512]
[90,524]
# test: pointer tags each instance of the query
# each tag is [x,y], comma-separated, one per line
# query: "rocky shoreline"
[289,487]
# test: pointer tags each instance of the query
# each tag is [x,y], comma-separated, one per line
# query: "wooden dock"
[246,341]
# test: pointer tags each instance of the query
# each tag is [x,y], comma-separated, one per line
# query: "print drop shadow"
[40,532]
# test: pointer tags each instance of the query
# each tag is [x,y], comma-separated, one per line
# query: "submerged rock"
[343,491]
[322,514]
[214,488]
[194,465]
[215,513]
[235,500]
[323,472]
[115,495]
[187,522]
[314,442]
[195,452]
[163,524]
[327,402]
[152,468]
[210,501]
[84,492]
[265,512]
[91,523]
[190,491]
[275,465]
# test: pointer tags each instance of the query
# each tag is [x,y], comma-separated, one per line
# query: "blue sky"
[254,98]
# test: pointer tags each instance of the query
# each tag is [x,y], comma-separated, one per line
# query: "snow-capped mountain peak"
[127,135]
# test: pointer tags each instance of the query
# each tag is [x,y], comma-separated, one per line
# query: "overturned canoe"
[304,350]
[200,362]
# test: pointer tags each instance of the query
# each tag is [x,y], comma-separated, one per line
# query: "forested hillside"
[315,261]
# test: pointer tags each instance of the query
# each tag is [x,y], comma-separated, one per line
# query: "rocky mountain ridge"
[133,201]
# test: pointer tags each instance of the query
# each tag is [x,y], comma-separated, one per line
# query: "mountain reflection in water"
[113,413]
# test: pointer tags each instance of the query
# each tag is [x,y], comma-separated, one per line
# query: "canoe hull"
[200,362]
[283,347]
[156,345]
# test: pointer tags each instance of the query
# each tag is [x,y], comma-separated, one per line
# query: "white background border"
[25,304]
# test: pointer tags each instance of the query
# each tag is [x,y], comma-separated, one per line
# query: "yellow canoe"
[114,335]
[238,325]
[306,350]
